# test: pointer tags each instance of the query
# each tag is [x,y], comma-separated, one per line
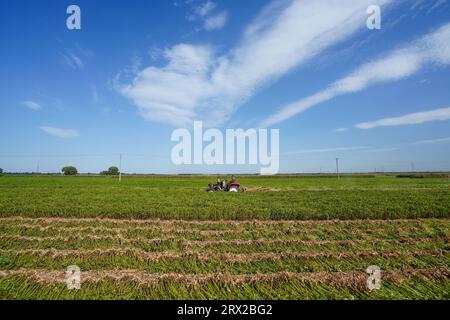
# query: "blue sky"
[377,99]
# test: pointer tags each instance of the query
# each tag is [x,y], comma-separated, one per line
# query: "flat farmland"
[162,237]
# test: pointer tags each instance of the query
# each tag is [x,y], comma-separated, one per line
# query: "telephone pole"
[337,168]
[120,168]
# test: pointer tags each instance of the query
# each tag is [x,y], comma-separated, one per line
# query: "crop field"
[164,237]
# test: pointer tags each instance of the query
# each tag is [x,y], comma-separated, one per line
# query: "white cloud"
[382,150]
[416,4]
[436,5]
[433,141]
[32,105]
[283,37]
[340,149]
[340,130]
[95,96]
[216,22]
[205,8]
[398,64]
[170,94]
[72,60]
[412,118]
[60,133]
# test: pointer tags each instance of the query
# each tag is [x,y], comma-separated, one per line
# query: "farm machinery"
[222,185]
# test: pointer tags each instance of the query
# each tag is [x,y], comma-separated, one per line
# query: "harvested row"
[191,223]
[352,278]
[232,245]
[190,234]
[19,287]
[209,243]
[191,264]
[177,227]
[229,257]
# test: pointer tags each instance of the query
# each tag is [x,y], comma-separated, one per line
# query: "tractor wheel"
[233,189]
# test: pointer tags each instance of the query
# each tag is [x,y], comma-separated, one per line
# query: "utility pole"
[120,168]
[412,167]
[337,168]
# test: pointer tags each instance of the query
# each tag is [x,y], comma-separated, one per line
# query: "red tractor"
[232,186]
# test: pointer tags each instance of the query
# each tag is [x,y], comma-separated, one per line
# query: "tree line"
[72,171]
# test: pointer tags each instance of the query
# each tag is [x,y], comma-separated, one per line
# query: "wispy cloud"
[205,8]
[72,60]
[60,133]
[216,22]
[205,13]
[340,149]
[436,5]
[94,93]
[32,105]
[417,4]
[198,84]
[382,150]
[433,141]
[412,118]
[340,130]
[401,63]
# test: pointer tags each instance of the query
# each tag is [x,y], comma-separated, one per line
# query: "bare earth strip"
[229,257]
[352,278]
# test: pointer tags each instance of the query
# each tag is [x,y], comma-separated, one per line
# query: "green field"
[184,198]
[162,237]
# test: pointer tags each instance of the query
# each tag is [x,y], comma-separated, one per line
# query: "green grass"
[184,198]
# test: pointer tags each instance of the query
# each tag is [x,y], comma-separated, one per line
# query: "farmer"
[220,183]
[233,180]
